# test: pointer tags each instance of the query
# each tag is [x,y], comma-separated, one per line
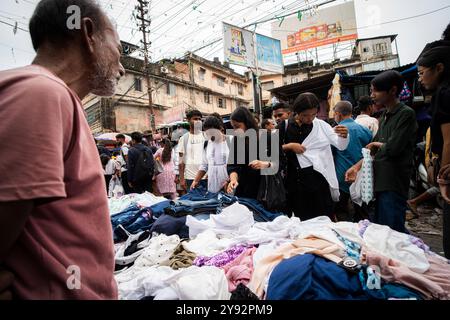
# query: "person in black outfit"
[434,74]
[308,192]
[245,175]
[138,186]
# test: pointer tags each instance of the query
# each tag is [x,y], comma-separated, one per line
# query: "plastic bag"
[271,192]
[115,189]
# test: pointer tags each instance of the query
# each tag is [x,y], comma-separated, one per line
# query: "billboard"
[269,54]
[327,26]
[239,46]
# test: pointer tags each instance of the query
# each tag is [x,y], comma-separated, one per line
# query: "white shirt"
[215,159]
[124,148]
[193,155]
[368,122]
[318,153]
[111,167]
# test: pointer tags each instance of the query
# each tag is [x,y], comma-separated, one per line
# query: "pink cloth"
[433,284]
[240,270]
[48,152]
[166,180]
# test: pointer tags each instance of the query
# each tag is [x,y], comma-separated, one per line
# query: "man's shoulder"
[35,79]
[407,110]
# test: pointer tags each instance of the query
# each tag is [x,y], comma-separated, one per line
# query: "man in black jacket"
[140,165]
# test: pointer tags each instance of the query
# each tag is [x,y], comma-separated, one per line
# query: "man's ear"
[88,30]
[440,68]
[393,91]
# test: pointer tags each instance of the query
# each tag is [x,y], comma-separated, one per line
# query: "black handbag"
[271,192]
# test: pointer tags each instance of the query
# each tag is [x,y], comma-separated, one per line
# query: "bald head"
[344,107]
[342,110]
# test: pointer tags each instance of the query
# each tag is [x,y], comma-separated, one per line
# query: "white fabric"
[176,160]
[397,246]
[111,167]
[233,220]
[267,249]
[193,154]
[200,283]
[138,283]
[125,147]
[207,244]
[143,200]
[318,153]
[368,122]
[215,159]
[123,164]
[362,190]
[158,251]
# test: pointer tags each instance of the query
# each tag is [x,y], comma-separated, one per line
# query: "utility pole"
[144,27]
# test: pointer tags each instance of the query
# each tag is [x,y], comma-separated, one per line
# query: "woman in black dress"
[309,193]
[244,166]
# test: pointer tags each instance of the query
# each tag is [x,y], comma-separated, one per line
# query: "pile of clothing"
[146,212]
[226,254]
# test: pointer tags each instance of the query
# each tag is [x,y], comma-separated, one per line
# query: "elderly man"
[55,230]
[343,159]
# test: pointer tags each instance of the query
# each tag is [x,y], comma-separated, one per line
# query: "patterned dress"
[166,180]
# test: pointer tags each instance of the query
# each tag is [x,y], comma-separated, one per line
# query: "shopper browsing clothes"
[165,181]
[215,156]
[140,165]
[244,168]
[311,181]
[393,147]
[190,149]
[55,230]
[434,74]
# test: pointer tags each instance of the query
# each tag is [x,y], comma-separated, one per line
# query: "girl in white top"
[215,156]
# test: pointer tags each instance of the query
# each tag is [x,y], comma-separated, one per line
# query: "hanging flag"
[299,16]
[15,28]
[281,21]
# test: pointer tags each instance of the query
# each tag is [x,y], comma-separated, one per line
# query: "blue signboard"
[269,54]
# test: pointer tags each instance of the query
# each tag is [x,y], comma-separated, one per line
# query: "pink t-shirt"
[48,153]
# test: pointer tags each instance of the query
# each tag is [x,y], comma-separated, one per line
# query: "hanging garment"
[405,94]
[361,191]
[318,153]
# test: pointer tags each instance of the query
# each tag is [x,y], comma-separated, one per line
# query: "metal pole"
[396,49]
[145,23]
[257,92]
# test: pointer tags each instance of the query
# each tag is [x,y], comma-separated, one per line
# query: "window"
[267,85]
[201,73]
[221,82]
[294,80]
[221,103]
[240,88]
[137,84]
[171,89]
[207,97]
[366,49]
[380,49]
[361,90]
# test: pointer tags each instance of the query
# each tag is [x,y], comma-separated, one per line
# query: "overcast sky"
[182,25]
